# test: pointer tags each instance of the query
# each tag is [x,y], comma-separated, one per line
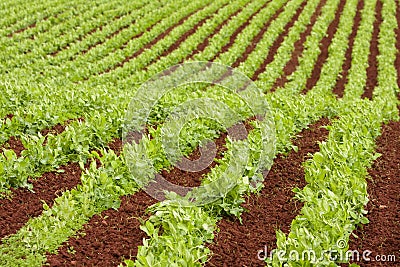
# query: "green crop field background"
[328,69]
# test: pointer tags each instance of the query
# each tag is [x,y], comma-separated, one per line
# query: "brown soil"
[116,146]
[99,42]
[58,128]
[382,234]
[107,238]
[372,70]
[324,47]
[8,116]
[204,44]
[341,82]
[292,64]
[193,179]
[238,244]
[277,43]
[66,46]
[24,204]
[14,144]
[237,31]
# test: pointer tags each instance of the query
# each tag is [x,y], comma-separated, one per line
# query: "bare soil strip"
[372,70]
[107,238]
[238,244]
[277,43]
[324,45]
[14,144]
[298,49]
[237,31]
[382,234]
[193,179]
[24,204]
[341,82]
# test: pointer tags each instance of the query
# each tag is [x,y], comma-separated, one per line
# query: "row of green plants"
[195,11]
[357,74]
[37,96]
[336,194]
[298,111]
[284,53]
[298,79]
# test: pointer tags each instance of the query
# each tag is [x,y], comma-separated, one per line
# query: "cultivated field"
[329,71]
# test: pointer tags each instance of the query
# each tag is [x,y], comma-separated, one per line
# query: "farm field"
[85,125]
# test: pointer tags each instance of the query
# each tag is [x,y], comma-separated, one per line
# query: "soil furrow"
[193,179]
[107,238]
[24,204]
[111,35]
[324,47]
[239,244]
[292,64]
[372,70]
[99,28]
[341,82]
[14,144]
[277,43]
[381,235]
[237,32]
